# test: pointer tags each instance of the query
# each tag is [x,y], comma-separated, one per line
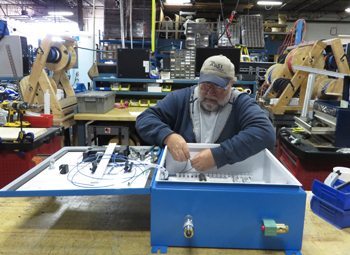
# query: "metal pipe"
[130,20]
[308,92]
[153,31]
[122,35]
[93,30]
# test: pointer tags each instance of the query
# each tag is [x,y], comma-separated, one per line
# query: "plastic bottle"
[332,178]
[47,102]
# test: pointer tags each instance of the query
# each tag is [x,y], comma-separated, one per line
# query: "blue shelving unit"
[103,83]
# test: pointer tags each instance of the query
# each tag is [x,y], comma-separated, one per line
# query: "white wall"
[86,57]
[318,31]
[34,32]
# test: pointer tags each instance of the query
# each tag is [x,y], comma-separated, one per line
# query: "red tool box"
[305,162]
[17,158]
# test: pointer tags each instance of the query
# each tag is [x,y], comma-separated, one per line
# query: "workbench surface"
[125,114]
[119,225]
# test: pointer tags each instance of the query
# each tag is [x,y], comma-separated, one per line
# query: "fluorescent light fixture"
[177,2]
[269,3]
[347,10]
[57,39]
[60,13]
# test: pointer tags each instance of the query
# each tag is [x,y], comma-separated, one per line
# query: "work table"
[119,225]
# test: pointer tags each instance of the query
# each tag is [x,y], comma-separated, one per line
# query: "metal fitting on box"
[188,227]
[271,228]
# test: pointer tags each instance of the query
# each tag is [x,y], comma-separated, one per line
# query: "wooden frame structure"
[299,78]
[38,82]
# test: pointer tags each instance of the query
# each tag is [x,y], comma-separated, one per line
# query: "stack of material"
[141,19]
[182,64]
[197,35]
[252,31]
[233,30]
[332,203]
[110,52]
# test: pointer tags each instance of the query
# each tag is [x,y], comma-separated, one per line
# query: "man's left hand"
[203,161]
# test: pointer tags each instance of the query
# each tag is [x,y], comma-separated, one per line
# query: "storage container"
[95,101]
[330,213]
[41,121]
[338,198]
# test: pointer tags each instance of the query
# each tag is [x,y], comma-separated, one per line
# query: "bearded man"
[210,112]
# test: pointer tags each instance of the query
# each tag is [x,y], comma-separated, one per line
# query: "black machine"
[231,53]
[133,63]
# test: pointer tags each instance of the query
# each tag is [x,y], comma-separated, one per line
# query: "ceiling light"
[177,2]
[60,13]
[269,3]
[24,12]
[347,9]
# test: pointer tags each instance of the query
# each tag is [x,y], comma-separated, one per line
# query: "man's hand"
[203,160]
[177,147]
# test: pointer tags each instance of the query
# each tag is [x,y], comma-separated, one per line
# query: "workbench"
[119,225]
[123,117]
[17,158]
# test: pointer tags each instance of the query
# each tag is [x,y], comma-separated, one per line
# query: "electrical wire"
[104,51]
[289,40]
[81,176]
[229,22]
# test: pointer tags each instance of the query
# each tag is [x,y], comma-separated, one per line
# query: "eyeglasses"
[206,87]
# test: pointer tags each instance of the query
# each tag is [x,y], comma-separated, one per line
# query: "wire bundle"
[289,40]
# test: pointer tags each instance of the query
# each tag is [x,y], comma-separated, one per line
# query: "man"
[210,112]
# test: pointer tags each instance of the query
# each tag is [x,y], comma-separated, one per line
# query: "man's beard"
[212,104]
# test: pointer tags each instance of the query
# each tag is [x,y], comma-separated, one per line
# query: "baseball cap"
[218,70]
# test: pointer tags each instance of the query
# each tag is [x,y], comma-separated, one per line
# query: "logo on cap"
[217,66]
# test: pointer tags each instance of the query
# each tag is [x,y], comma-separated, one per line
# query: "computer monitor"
[203,53]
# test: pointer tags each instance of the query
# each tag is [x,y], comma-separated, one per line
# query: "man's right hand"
[177,147]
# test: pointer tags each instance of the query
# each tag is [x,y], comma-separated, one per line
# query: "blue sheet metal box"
[253,204]
[228,208]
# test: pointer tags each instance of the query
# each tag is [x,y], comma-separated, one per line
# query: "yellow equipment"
[13,107]
[245,57]
[19,107]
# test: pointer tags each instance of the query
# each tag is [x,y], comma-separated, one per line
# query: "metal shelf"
[172,81]
[251,84]
[276,33]
[140,93]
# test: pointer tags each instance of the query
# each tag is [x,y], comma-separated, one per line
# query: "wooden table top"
[119,225]
[126,114]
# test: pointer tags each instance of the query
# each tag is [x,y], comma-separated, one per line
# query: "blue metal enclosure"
[223,213]
[226,216]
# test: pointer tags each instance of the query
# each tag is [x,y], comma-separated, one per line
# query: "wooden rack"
[38,82]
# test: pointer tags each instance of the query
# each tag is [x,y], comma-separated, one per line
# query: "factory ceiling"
[311,10]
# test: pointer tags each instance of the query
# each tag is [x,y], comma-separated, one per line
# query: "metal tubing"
[93,30]
[122,35]
[130,20]
[153,31]
[308,92]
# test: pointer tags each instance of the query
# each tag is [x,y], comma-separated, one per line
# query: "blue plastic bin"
[338,198]
[80,87]
[330,213]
